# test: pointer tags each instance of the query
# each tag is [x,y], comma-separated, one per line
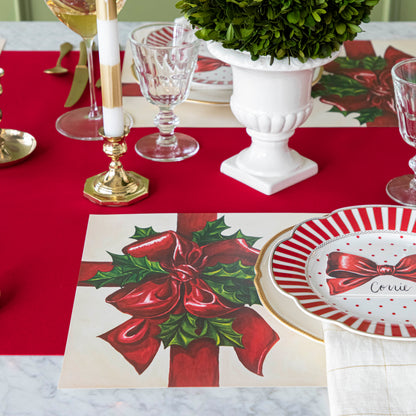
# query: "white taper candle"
[109,52]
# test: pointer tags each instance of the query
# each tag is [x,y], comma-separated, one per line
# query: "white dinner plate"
[211,73]
[355,267]
[200,95]
[206,96]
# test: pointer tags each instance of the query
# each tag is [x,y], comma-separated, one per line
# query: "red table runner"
[44,214]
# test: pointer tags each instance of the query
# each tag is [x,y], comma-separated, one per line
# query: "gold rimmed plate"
[355,268]
[283,308]
[15,146]
[205,96]
[200,95]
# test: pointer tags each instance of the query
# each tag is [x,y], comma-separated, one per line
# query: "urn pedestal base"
[270,184]
[271,100]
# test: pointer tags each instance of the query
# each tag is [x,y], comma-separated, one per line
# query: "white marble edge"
[47,36]
[28,384]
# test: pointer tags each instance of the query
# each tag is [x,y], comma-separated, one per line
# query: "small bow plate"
[355,267]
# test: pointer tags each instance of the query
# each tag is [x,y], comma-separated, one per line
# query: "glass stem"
[166,121]
[95,112]
[412,165]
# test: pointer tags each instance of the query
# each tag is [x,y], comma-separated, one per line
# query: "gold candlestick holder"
[15,145]
[116,187]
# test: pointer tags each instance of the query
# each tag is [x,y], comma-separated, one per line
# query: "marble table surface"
[45,36]
[28,384]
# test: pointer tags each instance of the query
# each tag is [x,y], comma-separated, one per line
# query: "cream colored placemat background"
[193,114]
[90,362]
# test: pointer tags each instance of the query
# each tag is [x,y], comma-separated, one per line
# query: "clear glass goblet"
[403,188]
[165,56]
[80,16]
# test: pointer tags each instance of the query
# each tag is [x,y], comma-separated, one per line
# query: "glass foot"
[76,124]
[400,190]
[149,148]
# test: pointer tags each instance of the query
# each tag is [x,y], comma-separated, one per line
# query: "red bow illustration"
[183,289]
[206,63]
[377,82]
[350,271]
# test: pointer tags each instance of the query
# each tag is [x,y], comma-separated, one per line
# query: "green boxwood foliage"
[278,28]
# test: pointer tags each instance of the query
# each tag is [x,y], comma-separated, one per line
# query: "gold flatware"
[59,69]
[80,80]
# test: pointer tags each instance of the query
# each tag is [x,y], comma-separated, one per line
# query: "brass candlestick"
[5,155]
[116,187]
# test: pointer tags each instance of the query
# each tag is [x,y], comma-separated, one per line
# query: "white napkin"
[369,376]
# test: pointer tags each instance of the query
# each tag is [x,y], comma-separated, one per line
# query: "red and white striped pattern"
[161,37]
[166,36]
[201,79]
[289,263]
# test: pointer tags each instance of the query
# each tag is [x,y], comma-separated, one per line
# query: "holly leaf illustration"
[337,110]
[184,328]
[365,115]
[338,85]
[373,63]
[235,270]
[127,269]
[222,332]
[239,294]
[233,282]
[178,330]
[143,232]
[249,239]
[213,232]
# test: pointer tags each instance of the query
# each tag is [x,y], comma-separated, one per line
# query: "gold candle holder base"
[15,146]
[116,187]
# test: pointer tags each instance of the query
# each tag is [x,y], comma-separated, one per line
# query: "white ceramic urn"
[271,101]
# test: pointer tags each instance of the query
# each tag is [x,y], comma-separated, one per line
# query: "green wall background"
[164,10]
[134,10]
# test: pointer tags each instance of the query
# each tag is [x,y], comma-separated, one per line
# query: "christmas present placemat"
[168,300]
[355,90]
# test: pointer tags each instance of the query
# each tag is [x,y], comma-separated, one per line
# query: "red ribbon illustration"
[379,85]
[350,271]
[206,63]
[183,289]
